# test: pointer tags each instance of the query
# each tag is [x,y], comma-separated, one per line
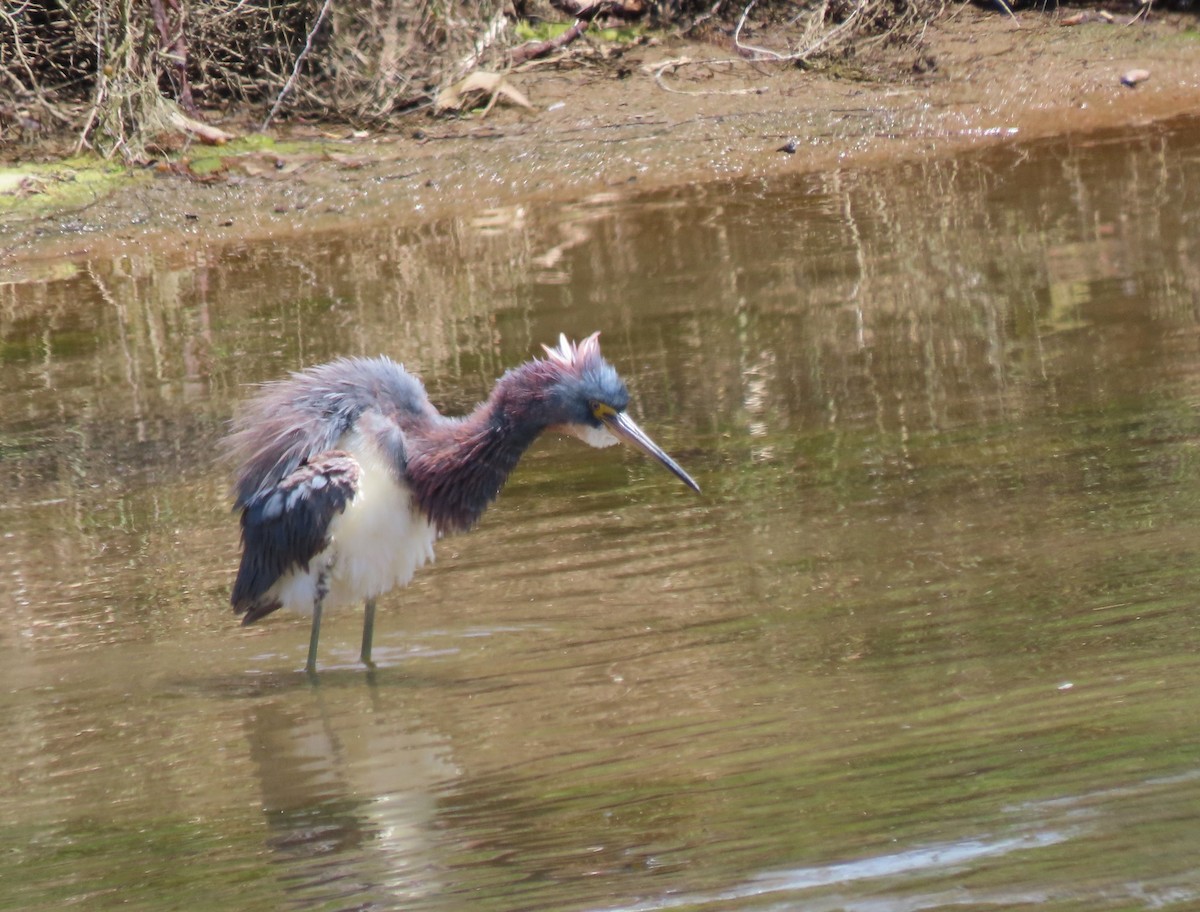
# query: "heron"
[348,475]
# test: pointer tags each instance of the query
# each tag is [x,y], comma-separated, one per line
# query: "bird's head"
[591,398]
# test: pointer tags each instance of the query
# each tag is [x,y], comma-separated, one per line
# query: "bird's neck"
[458,466]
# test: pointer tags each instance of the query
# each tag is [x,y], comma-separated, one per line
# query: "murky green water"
[929,640]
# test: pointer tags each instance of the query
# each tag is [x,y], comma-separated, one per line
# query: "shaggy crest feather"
[570,355]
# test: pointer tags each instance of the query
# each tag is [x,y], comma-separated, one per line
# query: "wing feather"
[285,527]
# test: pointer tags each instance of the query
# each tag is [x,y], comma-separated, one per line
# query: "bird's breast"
[380,540]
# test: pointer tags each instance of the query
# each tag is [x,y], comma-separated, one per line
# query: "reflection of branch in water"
[575,233]
[128,358]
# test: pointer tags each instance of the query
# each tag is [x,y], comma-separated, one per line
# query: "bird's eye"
[601,410]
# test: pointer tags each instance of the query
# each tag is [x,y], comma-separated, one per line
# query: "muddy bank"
[657,115]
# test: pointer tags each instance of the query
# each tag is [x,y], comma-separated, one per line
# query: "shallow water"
[928,639]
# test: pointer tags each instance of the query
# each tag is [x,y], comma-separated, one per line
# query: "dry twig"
[308,43]
[827,38]
[659,69]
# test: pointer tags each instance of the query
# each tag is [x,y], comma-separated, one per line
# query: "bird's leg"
[368,632]
[311,665]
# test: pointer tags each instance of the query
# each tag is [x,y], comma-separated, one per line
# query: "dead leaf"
[469,92]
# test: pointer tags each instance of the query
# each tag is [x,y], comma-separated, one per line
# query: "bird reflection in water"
[348,801]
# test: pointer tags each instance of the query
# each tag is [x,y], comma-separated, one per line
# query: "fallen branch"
[206,133]
[532,50]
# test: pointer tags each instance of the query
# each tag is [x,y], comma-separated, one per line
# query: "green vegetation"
[77,181]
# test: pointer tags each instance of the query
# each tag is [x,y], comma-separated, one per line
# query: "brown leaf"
[469,92]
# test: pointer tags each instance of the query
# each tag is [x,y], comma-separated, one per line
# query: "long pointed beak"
[626,430]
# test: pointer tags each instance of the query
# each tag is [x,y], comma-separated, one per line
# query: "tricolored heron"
[348,474]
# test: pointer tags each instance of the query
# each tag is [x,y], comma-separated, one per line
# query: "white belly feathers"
[377,543]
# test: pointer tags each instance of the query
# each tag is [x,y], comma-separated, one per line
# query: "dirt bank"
[655,115]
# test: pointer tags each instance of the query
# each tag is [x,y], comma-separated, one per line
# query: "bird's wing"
[291,422]
[287,526]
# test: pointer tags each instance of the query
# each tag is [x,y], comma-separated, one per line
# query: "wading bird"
[348,474]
